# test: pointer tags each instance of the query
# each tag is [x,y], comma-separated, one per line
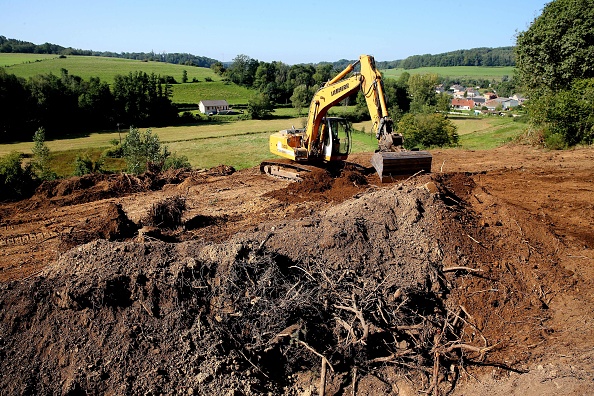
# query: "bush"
[143,149]
[555,141]
[16,181]
[85,165]
[259,107]
[568,113]
[176,162]
[114,152]
[427,130]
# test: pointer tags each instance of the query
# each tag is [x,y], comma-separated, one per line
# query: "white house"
[212,106]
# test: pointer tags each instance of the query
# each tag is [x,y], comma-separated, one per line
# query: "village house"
[457,88]
[479,101]
[462,104]
[519,98]
[213,106]
[490,95]
[504,103]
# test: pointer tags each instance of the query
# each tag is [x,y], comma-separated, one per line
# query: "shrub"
[85,165]
[567,113]
[143,148]
[555,141]
[427,130]
[176,162]
[16,180]
[41,157]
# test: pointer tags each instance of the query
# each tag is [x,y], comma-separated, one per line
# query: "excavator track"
[285,169]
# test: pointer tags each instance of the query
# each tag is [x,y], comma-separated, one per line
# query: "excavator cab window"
[340,133]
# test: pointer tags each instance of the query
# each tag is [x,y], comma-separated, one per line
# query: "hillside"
[95,66]
[29,65]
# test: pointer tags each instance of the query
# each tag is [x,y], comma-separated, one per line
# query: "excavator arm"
[369,81]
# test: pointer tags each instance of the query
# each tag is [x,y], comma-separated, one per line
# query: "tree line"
[66,103]
[484,56]
[501,56]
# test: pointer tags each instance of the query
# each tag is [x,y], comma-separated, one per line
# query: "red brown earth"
[266,275]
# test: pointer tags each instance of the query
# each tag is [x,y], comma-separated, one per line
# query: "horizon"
[246,29]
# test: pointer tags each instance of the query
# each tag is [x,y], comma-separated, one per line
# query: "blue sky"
[288,31]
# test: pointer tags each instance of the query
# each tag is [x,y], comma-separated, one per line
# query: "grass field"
[477,133]
[477,72]
[16,59]
[25,65]
[195,92]
[104,68]
[485,133]
[244,144]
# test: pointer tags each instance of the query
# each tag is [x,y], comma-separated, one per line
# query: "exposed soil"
[475,279]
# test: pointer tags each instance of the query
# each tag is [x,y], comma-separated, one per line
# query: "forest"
[502,56]
[65,104]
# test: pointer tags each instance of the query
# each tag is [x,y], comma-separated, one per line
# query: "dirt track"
[520,217]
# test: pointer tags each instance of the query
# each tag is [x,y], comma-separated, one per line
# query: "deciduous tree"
[558,47]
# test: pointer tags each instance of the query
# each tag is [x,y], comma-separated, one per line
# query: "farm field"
[195,92]
[476,72]
[16,59]
[485,133]
[25,65]
[105,68]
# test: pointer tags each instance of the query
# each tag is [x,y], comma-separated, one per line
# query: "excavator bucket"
[400,163]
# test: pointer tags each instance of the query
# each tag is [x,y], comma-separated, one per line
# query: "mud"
[479,271]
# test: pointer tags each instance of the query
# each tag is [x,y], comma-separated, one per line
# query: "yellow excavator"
[328,139]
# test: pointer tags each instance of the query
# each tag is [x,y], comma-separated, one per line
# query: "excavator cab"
[336,135]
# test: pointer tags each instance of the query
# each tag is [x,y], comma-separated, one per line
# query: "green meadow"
[195,92]
[29,65]
[476,72]
[487,132]
[16,59]
[105,68]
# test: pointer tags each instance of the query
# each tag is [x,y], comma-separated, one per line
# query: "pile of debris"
[351,298]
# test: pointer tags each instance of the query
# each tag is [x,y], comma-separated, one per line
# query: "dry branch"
[460,268]
[359,316]
[316,353]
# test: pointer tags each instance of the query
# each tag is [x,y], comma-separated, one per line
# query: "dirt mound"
[112,224]
[327,185]
[93,187]
[358,287]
